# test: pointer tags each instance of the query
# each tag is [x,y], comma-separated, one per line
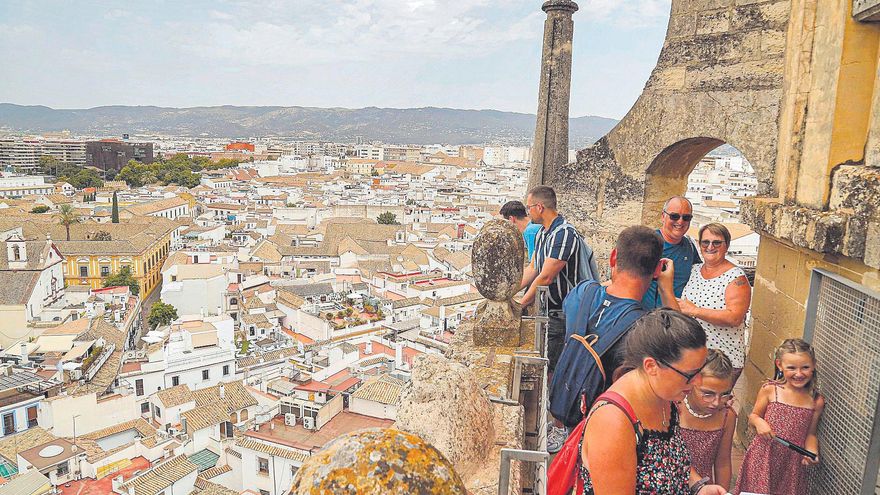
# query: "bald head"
[676,219]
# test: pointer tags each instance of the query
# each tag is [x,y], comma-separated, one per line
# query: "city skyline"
[288,54]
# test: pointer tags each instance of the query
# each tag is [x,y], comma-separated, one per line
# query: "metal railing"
[540,457]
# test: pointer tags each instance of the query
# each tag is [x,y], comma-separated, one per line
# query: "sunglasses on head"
[713,242]
[676,216]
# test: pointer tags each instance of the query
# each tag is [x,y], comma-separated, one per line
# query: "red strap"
[618,400]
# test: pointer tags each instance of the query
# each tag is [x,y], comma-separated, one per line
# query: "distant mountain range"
[427,125]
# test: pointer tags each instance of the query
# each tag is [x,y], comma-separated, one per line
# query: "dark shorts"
[555,339]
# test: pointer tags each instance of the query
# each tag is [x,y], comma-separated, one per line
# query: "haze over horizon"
[334,54]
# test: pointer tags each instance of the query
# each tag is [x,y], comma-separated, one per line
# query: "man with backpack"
[561,261]
[606,313]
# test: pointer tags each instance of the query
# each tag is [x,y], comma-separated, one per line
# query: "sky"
[476,54]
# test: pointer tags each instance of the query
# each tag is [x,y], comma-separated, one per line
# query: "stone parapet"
[851,226]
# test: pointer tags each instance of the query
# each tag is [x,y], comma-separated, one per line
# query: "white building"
[195,289]
[195,352]
[24,185]
[31,279]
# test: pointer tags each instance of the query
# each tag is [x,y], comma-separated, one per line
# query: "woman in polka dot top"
[718,294]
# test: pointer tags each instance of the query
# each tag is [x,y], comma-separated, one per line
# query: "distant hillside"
[391,125]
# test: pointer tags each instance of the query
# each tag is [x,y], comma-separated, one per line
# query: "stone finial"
[378,461]
[497,257]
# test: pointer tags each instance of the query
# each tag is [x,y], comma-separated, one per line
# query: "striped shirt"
[562,242]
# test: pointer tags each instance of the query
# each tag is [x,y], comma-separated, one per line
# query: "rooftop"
[311,441]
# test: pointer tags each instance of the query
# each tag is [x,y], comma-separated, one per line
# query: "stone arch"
[667,175]
[719,79]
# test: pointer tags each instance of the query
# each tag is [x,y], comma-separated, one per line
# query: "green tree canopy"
[162,314]
[114,212]
[388,218]
[40,209]
[122,278]
[178,169]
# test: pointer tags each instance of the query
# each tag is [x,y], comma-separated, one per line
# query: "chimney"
[222,391]
[24,354]
[369,347]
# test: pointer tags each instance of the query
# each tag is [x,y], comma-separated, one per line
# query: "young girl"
[707,423]
[788,407]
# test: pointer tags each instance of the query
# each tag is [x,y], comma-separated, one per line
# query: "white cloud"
[344,31]
[116,14]
[629,14]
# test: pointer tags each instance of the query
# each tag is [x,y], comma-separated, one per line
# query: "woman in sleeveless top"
[646,455]
[718,295]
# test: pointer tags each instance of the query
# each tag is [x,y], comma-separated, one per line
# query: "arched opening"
[668,174]
[243,415]
[715,177]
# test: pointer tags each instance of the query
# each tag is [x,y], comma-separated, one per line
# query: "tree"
[49,165]
[163,314]
[102,235]
[67,216]
[388,218]
[114,214]
[40,209]
[122,278]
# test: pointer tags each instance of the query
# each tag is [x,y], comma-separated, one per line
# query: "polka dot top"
[709,293]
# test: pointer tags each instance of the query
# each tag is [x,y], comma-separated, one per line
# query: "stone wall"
[719,79]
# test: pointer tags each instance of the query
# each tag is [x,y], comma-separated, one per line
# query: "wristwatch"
[696,487]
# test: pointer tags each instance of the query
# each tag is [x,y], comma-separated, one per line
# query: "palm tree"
[67,217]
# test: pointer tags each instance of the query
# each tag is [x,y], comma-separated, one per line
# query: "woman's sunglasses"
[714,243]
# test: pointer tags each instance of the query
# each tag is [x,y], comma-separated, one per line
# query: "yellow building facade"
[91,269]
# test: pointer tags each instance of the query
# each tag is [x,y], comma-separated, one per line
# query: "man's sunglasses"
[676,216]
[714,243]
[687,376]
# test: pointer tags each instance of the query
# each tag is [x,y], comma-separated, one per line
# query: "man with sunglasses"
[677,246]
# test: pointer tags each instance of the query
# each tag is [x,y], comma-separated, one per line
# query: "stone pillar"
[550,148]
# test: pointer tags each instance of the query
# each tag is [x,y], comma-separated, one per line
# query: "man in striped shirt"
[556,264]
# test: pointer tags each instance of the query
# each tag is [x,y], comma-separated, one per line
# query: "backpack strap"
[588,342]
[621,403]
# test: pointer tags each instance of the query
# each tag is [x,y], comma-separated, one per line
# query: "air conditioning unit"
[309,423]
[290,419]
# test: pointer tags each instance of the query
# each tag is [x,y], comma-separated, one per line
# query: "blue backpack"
[579,376]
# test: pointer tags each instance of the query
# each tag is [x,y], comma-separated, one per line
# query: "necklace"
[665,422]
[694,414]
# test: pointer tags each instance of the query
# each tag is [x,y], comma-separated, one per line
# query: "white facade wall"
[372,408]
[193,296]
[57,414]
[276,482]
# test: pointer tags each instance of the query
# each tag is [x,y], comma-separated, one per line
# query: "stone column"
[550,149]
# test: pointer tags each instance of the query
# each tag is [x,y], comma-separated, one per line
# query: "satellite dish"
[51,451]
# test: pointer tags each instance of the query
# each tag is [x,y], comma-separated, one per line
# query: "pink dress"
[771,468]
[703,447]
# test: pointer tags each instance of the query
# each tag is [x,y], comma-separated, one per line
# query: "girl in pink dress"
[707,423]
[788,407]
